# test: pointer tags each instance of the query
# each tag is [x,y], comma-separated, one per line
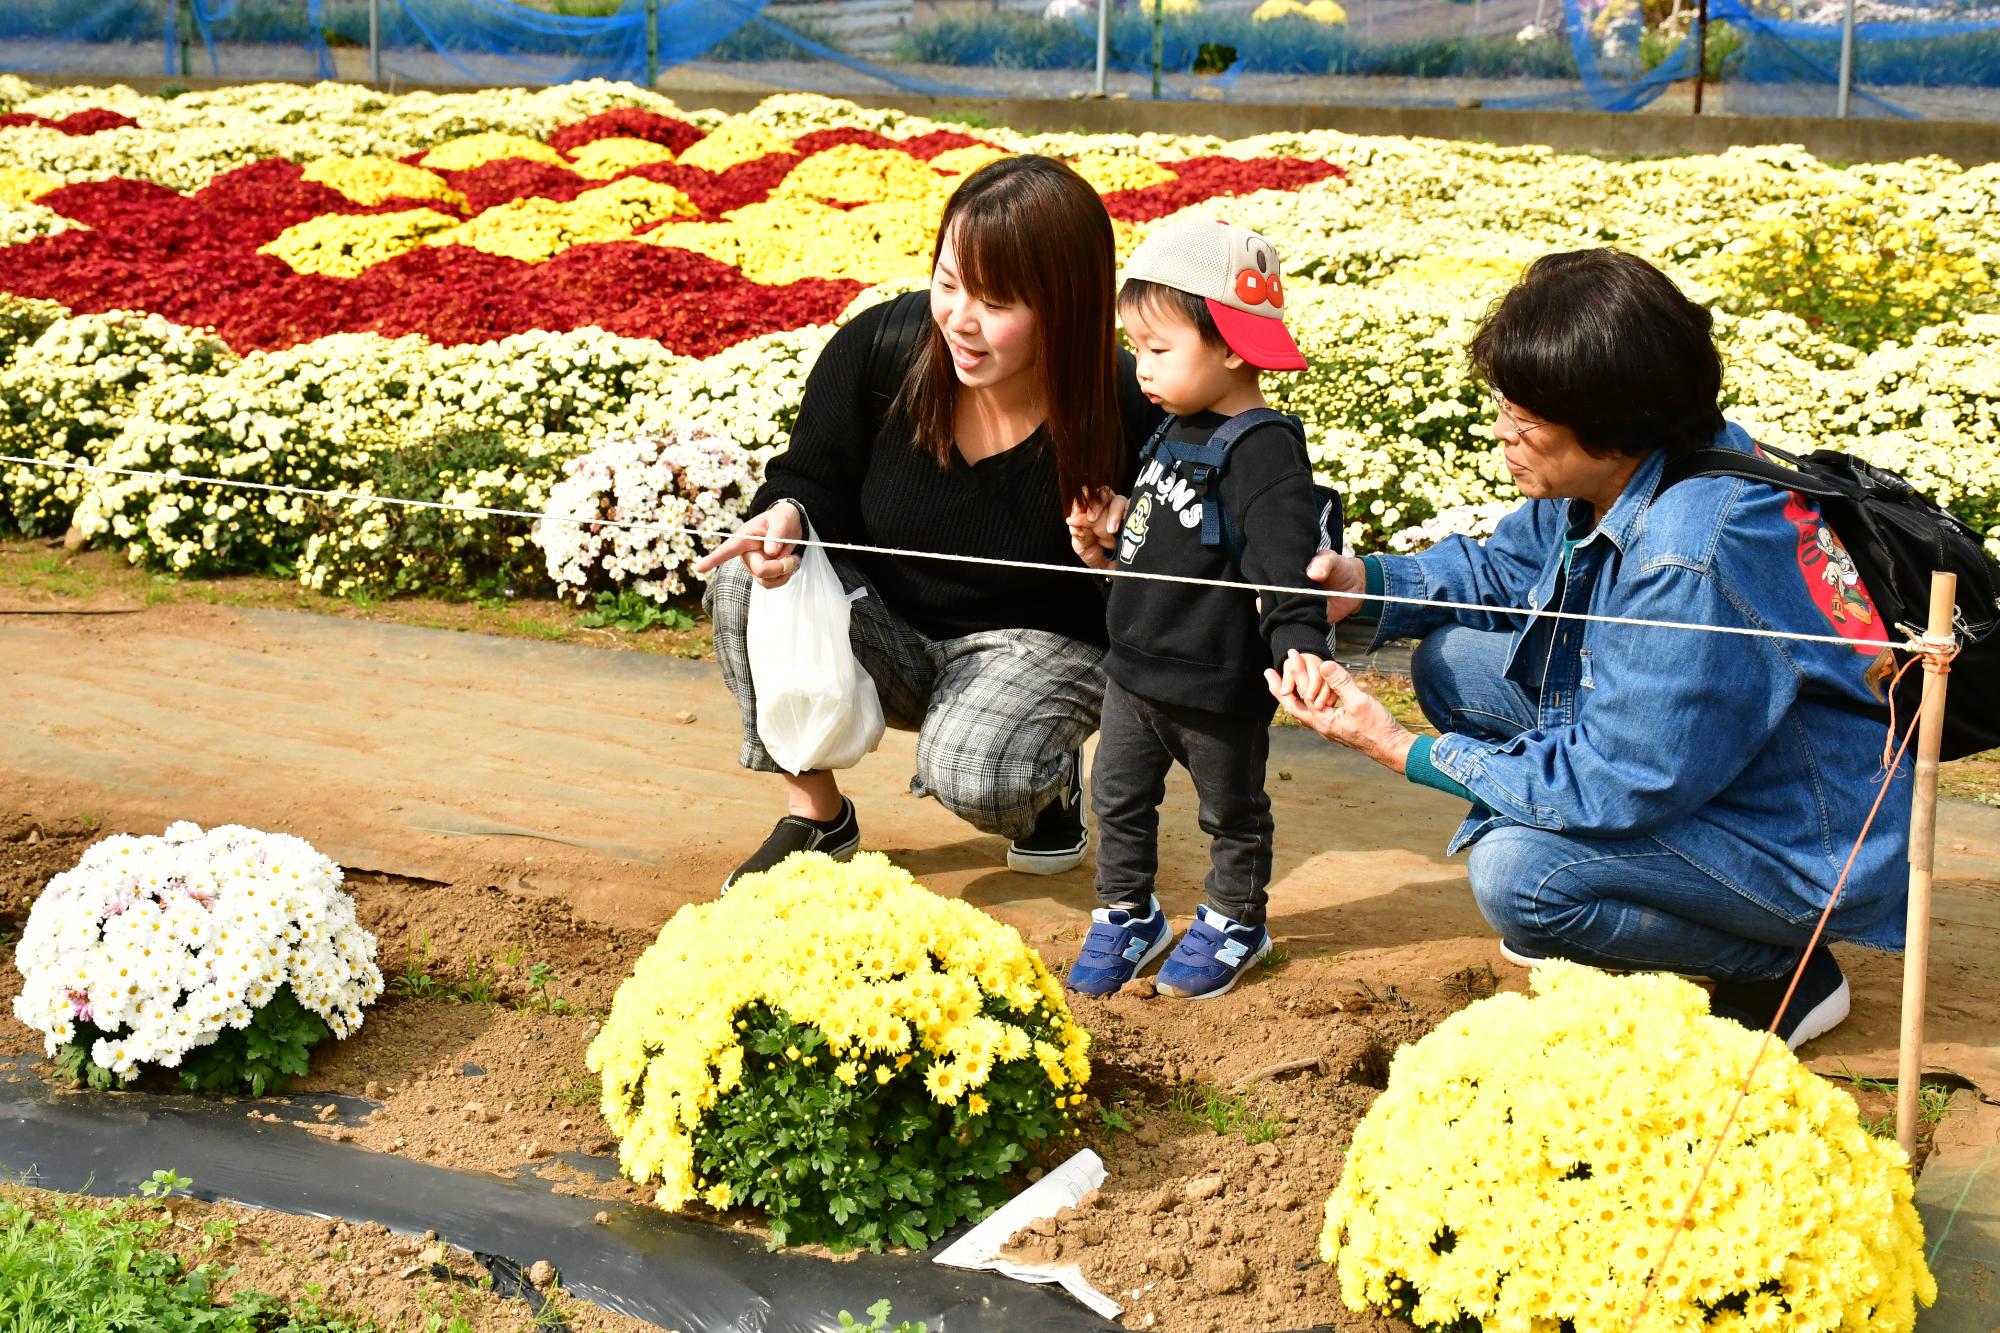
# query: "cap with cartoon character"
[1235,271]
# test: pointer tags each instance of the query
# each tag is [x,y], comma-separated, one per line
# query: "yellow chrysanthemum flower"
[370,180]
[343,245]
[20,185]
[1530,1159]
[476,150]
[601,159]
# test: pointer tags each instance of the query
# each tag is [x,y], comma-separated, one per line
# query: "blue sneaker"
[1211,956]
[1118,945]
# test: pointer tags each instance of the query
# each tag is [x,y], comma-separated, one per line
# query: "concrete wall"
[1650,134]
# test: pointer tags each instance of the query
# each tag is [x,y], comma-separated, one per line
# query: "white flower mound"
[689,478]
[160,943]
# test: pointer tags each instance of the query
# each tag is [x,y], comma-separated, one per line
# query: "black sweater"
[1207,647]
[864,480]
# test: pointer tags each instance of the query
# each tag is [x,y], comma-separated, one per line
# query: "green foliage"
[540,977]
[164,1182]
[1225,1113]
[415,981]
[77,1267]
[482,982]
[632,611]
[264,1056]
[878,1321]
[865,1165]
[762,41]
[401,549]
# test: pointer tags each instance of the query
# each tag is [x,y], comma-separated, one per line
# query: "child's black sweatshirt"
[1208,647]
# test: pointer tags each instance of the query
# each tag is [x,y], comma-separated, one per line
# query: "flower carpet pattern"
[311,286]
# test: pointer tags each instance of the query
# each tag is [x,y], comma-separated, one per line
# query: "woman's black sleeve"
[823,465]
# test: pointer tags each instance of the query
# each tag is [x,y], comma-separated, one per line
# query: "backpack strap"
[1206,462]
[895,342]
[1732,463]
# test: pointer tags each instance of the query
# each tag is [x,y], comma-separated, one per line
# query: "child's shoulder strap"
[895,343]
[1209,457]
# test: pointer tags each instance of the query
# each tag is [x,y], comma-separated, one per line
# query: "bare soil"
[514,812]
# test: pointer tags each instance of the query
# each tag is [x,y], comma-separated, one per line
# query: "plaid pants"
[999,715]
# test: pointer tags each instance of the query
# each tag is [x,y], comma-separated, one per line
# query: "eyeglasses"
[1512,424]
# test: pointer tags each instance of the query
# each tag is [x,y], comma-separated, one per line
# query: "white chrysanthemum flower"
[159,943]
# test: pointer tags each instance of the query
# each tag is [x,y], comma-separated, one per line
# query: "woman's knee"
[1509,869]
[1434,678]
[727,597]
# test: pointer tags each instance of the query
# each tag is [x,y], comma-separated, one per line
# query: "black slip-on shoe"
[1061,834]
[1819,1006]
[794,833]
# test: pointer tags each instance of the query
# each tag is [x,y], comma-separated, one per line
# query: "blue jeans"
[1629,904]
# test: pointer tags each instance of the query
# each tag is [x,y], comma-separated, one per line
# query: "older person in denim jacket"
[1643,798]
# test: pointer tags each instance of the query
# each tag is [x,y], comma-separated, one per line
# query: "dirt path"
[509,802]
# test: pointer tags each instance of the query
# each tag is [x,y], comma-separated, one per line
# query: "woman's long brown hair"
[1029,230]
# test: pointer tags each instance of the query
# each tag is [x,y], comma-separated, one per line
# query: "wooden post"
[1700,54]
[1923,845]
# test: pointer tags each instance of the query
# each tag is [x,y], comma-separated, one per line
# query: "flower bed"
[859,1059]
[225,955]
[294,285]
[1530,1160]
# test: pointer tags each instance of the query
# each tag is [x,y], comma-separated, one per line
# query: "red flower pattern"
[626,123]
[193,258]
[77,122]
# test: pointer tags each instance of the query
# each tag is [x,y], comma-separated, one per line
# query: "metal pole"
[1846,58]
[374,41]
[652,43]
[1103,42]
[1159,44]
[1700,53]
[1923,846]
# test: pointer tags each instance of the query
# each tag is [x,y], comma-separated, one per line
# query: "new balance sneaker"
[796,833]
[1061,833]
[1118,946]
[1819,1006]
[1211,956]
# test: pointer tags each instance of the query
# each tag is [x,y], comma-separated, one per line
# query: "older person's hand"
[767,543]
[1324,697]
[1339,573]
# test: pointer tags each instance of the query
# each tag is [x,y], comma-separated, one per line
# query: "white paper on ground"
[1061,1188]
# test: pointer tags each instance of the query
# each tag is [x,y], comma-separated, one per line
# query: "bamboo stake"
[1923,846]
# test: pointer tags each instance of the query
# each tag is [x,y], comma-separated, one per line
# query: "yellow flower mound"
[20,185]
[893,992]
[342,245]
[737,141]
[1173,6]
[1861,265]
[533,230]
[1116,171]
[601,159]
[790,239]
[965,161]
[1327,12]
[852,174]
[370,180]
[476,150]
[1531,1156]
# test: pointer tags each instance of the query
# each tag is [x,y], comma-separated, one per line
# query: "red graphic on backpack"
[1832,580]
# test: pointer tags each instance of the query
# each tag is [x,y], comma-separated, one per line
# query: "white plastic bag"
[816,706]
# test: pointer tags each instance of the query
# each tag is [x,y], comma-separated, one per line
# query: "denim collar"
[1618,526]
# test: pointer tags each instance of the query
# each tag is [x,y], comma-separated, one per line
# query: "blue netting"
[1934,57]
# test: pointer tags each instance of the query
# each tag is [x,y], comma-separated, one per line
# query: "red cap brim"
[1262,341]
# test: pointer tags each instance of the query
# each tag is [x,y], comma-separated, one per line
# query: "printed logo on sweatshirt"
[1173,489]
[1132,533]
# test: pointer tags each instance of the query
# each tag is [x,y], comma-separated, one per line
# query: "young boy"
[1203,307]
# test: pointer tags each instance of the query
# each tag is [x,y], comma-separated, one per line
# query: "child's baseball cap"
[1235,271]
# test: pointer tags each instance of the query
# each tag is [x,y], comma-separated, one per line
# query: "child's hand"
[1093,526]
[1309,679]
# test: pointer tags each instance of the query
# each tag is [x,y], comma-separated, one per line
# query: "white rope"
[362,499]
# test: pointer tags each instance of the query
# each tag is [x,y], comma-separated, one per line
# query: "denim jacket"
[1754,758]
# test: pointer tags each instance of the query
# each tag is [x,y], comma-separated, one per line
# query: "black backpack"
[1205,463]
[1897,537]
